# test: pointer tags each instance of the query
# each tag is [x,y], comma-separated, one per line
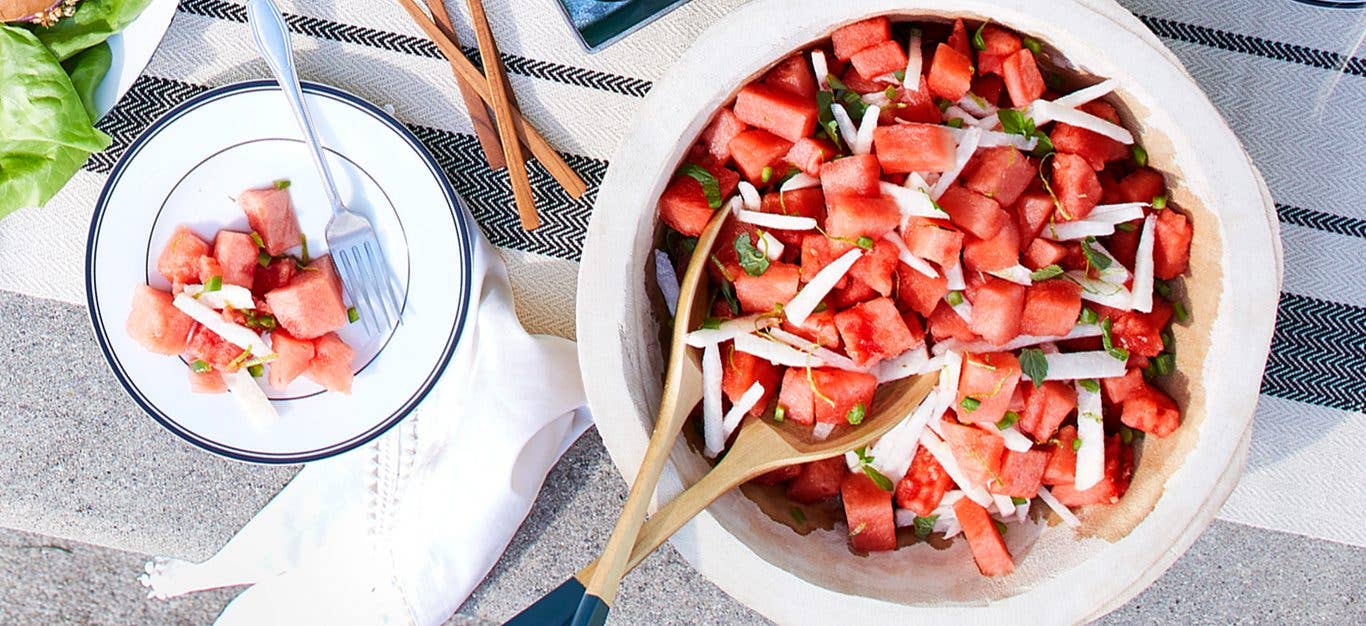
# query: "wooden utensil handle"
[478,112]
[501,91]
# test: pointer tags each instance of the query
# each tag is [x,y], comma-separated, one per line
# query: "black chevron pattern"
[1318,353]
[1247,44]
[407,44]
[1327,222]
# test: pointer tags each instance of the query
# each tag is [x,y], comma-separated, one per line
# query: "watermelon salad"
[248,306]
[906,198]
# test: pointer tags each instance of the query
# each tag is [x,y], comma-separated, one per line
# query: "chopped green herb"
[1094,257]
[257,370]
[779,413]
[1009,420]
[1045,145]
[954,298]
[766,174]
[214,283]
[260,321]
[821,307]
[1161,365]
[752,259]
[798,515]
[826,118]
[1076,444]
[854,105]
[303,255]
[835,83]
[256,239]
[978,43]
[262,258]
[283,183]
[1032,45]
[1168,341]
[352,315]
[1089,315]
[865,242]
[711,323]
[1108,341]
[1000,526]
[1140,155]
[955,122]
[943,104]
[970,403]
[1179,308]
[899,75]
[1126,435]
[200,367]
[890,92]
[791,171]
[1034,364]
[856,414]
[1015,122]
[1089,384]
[879,479]
[925,525]
[710,187]
[1127,227]
[1163,288]
[1159,203]
[728,292]
[1017,500]
[1045,273]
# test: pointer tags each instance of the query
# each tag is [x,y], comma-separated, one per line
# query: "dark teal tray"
[600,23]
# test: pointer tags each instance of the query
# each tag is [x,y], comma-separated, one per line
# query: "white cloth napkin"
[401,530]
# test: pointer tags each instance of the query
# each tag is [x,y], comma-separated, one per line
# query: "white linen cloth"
[401,530]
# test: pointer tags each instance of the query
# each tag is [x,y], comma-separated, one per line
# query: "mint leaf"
[882,482]
[1035,365]
[711,188]
[1094,257]
[978,43]
[1108,342]
[1045,273]
[925,525]
[752,259]
[856,414]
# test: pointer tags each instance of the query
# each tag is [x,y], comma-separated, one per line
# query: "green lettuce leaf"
[45,131]
[86,70]
[94,21]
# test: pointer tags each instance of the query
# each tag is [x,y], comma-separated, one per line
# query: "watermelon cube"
[919,105]
[740,370]
[973,212]
[853,175]
[1123,245]
[683,205]
[1121,388]
[277,274]
[905,148]
[296,355]
[1096,148]
[917,292]
[855,292]
[779,476]
[1062,459]
[1041,253]
[311,305]
[179,260]
[999,252]
[868,509]
[924,486]
[1141,333]
[205,345]
[1001,173]
[989,378]
[978,452]
[876,266]
[207,382]
[950,74]
[810,153]
[958,38]
[796,398]
[724,250]
[988,88]
[933,240]
[873,331]
[879,59]
[1152,411]
[1119,469]
[850,217]
[1076,186]
[809,202]
[271,215]
[331,364]
[236,253]
[1021,473]
[754,150]
[1051,308]
[945,323]
[1000,45]
[1046,406]
[849,39]
[1033,210]
[837,392]
[988,547]
[819,480]
[761,294]
[776,110]
[155,323]
[1142,185]
[209,268]
[793,74]
[1171,244]
[819,251]
[717,135]
[819,327]
[1024,83]
[858,84]
[996,310]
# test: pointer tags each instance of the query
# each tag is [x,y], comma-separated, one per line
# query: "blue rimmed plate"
[188,166]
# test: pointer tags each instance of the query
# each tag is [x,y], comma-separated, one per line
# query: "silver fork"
[350,237]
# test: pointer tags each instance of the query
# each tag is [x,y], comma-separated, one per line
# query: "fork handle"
[271,34]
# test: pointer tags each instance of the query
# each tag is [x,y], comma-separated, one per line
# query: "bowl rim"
[730,52]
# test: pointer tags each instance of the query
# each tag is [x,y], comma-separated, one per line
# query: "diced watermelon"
[849,39]
[875,267]
[1041,253]
[1032,211]
[1046,406]
[1119,469]
[209,268]
[996,309]
[1096,148]
[944,323]
[809,202]
[331,365]
[683,206]
[988,547]
[958,38]
[179,260]
[819,480]
[950,74]
[311,305]
[853,175]
[779,476]
[296,355]
[1000,44]
[819,251]
[1141,333]
[810,153]
[717,135]
[978,453]
[1076,186]
[837,392]
[873,331]
[924,486]
[207,382]
[277,274]
[796,397]
[933,240]
[879,59]
[973,212]
[1062,459]
[1001,173]
[236,254]
[740,370]
[1021,473]
[205,345]
[794,74]
[1023,80]
[990,379]
[916,326]
[919,105]
[818,327]
[776,110]
[918,292]
[1121,388]
[754,150]
[988,88]
[271,215]
[1171,244]
[155,323]
[760,294]
[851,217]
[858,84]
[999,252]
[1152,411]
[724,250]
[1142,185]
[905,148]
[1123,245]
[1051,308]
[868,509]
[855,292]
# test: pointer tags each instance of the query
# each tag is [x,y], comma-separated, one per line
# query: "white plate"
[187,167]
[131,50]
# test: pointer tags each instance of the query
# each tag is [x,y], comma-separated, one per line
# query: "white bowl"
[1180,481]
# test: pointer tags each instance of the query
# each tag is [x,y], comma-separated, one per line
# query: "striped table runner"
[1287,74]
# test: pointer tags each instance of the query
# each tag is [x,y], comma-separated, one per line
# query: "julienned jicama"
[246,307]
[914,197]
